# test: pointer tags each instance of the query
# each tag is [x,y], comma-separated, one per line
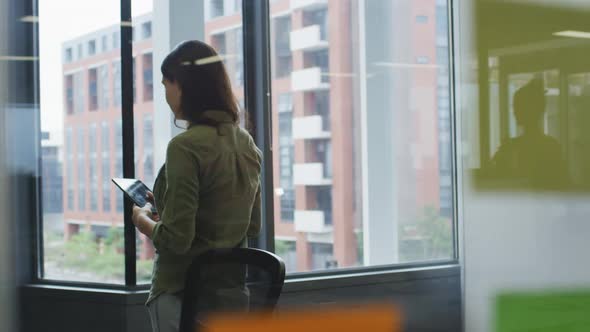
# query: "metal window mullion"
[257,90]
[128,137]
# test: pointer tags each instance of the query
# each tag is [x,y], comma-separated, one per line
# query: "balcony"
[310,38]
[308,4]
[309,79]
[311,221]
[310,127]
[310,174]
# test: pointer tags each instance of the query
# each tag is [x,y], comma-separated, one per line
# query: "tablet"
[135,190]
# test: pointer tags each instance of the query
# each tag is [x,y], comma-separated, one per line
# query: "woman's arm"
[176,230]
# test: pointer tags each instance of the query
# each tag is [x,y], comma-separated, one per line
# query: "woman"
[208,193]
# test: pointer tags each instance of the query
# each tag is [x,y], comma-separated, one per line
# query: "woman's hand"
[143,219]
[138,212]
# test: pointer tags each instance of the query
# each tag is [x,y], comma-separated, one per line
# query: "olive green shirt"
[207,195]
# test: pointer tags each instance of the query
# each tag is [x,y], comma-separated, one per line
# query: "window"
[79,95]
[119,161]
[218,42]
[104,87]
[148,77]
[69,85]
[78,242]
[69,169]
[148,146]
[422,19]
[239,63]
[52,177]
[282,46]
[92,167]
[286,158]
[329,167]
[69,56]
[322,257]
[338,144]
[93,89]
[116,40]
[422,60]
[216,7]
[81,162]
[106,166]
[287,251]
[92,47]
[134,79]
[117,82]
[146,30]
[105,45]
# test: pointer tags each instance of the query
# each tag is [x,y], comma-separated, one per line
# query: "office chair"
[246,278]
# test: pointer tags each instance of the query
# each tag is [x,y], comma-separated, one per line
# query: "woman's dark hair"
[203,80]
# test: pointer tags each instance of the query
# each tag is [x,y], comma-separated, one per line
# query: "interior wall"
[521,240]
[428,300]
[7,297]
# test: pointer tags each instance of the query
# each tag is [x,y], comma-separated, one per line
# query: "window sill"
[295,283]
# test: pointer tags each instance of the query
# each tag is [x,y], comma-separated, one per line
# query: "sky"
[62,20]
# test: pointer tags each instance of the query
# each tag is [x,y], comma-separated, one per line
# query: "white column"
[380,230]
[173,22]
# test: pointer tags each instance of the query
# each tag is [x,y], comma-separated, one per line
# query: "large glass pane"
[80,112]
[221,21]
[362,128]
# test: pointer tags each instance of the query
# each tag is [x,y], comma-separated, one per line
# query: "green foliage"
[282,247]
[87,257]
[430,238]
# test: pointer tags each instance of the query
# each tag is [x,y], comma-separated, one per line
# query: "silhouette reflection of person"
[533,158]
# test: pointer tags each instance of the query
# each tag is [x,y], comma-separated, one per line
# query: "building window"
[287,250]
[119,161]
[286,158]
[104,88]
[422,19]
[92,167]
[216,8]
[105,45]
[69,55]
[69,170]
[116,40]
[422,60]
[69,84]
[148,77]
[322,256]
[320,18]
[92,89]
[117,82]
[324,203]
[79,95]
[282,46]
[239,62]
[148,148]
[81,161]
[218,43]
[146,30]
[106,166]
[134,69]
[80,54]
[92,47]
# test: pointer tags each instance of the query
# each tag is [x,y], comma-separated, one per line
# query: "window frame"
[256,20]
